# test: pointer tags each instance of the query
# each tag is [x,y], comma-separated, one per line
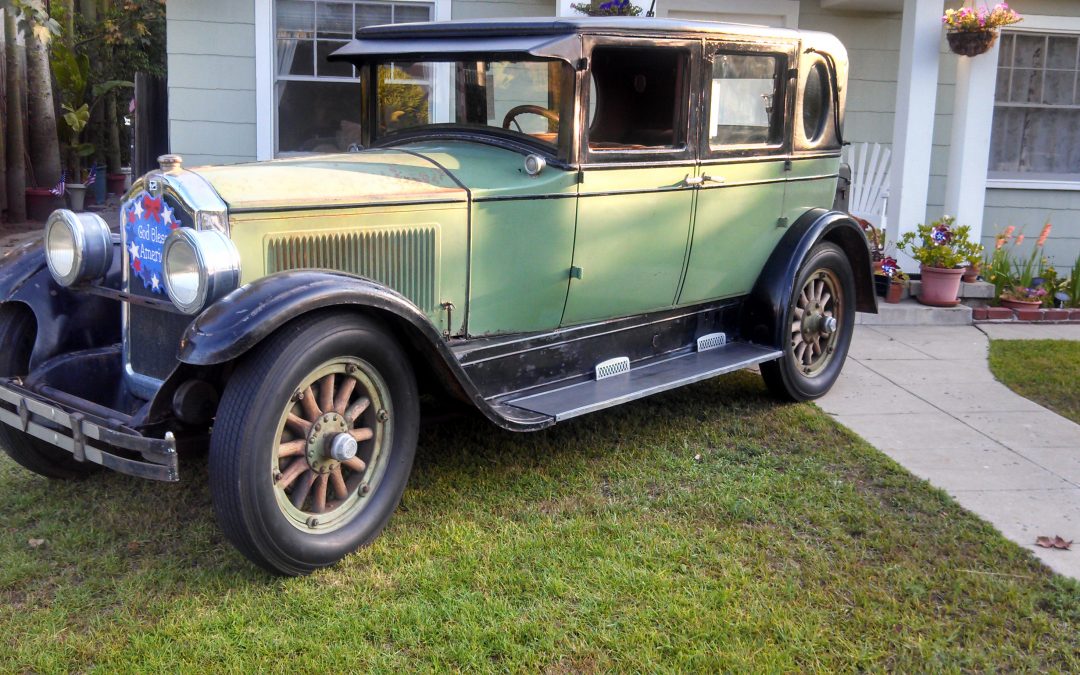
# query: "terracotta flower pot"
[1021,304]
[896,291]
[940,287]
[41,202]
[971,43]
[116,183]
[971,275]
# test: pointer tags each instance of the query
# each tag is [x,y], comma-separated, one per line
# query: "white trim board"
[1047,24]
[1022,184]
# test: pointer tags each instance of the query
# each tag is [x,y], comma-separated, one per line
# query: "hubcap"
[815,322]
[333,445]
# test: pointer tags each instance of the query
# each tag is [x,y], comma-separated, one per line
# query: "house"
[993,140]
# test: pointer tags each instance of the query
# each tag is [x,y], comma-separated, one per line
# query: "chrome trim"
[217,263]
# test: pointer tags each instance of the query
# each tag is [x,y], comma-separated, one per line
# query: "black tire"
[247,473]
[791,377]
[17,332]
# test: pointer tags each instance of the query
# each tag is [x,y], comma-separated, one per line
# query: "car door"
[744,139]
[635,200]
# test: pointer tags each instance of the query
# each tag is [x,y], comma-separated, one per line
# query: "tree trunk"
[16,149]
[89,9]
[44,146]
[112,122]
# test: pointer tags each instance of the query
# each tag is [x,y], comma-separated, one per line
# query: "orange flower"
[1045,233]
[1008,232]
[1020,240]
[999,242]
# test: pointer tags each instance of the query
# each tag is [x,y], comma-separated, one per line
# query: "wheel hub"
[328,443]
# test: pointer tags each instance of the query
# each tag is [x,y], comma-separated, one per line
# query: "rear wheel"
[313,443]
[17,333]
[818,324]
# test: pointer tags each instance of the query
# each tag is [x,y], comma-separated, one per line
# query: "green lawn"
[1045,371]
[606,543]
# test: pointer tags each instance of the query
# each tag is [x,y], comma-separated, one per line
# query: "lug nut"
[312,522]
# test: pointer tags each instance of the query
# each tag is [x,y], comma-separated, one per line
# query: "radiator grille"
[405,259]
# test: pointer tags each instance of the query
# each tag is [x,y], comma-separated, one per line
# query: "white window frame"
[266,66]
[1063,25]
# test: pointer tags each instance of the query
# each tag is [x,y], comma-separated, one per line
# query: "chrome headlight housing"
[78,247]
[200,267]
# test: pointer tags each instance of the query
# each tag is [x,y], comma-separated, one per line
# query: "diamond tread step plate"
[652,377]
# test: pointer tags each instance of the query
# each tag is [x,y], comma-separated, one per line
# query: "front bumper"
[87,437]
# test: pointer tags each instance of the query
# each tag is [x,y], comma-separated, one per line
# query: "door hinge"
[575,272]
[581,64]
[783,222]
[787,165]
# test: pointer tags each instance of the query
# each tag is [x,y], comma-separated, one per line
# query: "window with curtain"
[1036,132]
[318,102]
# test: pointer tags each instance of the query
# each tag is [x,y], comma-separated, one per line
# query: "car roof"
[620,25]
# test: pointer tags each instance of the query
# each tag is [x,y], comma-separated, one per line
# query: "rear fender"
[763,312]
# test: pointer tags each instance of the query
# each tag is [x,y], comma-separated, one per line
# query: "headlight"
[200,267]
[78,247]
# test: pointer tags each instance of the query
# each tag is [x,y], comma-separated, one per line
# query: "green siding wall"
[211,61]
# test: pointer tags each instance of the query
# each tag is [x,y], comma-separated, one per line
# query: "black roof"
[629,25]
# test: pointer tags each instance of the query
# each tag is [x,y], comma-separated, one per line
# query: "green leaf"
[85,149]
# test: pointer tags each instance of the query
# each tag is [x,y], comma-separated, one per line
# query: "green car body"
[598,210]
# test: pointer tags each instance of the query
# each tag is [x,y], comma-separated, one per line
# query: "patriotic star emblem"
[138,209]
[134,248]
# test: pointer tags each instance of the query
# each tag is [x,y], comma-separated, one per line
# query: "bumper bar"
[87,437]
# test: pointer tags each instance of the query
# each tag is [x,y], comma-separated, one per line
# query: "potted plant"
[937,247]
[1025,297]
[607,8]
[973,255]
[896,280]
[973,31]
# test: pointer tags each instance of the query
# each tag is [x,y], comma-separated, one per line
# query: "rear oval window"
[815,103]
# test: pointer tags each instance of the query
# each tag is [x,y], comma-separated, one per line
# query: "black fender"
[67,319]
[242,319]
[763,311]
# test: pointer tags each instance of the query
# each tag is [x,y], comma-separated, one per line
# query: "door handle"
[693,181]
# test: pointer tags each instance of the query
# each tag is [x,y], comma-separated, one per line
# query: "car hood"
[359,178]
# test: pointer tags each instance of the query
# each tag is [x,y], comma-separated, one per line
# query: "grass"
[706,529]
[1045,371]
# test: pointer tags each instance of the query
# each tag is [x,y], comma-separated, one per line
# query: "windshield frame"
[561,152]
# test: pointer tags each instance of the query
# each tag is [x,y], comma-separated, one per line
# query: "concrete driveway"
[925,396]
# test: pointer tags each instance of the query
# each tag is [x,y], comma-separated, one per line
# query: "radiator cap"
[170,162]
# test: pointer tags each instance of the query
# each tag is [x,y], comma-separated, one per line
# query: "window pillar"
[916,103]
[969,153]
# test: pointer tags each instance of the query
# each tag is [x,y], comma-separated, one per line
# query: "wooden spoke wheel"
[313,442]
[333,446]
[817,327]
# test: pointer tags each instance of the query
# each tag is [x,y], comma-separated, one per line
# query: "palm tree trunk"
[44,146]
[112,121]
[3,116]
[16,149]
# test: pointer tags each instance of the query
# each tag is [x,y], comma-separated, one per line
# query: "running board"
[650,377]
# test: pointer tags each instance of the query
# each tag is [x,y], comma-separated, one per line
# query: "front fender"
[763,312]
[67,319]
[239,321]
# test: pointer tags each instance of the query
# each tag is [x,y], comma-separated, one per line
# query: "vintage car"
[543,218]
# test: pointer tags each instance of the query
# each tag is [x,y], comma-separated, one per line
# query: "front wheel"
[313,443]
[817,325]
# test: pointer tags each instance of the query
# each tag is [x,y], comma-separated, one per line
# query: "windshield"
[523,99]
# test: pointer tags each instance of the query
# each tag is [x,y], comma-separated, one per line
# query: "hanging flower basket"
[971,43]
[973,31]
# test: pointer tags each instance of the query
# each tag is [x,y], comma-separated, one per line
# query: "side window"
[638,98]
[815,106]
[745,100]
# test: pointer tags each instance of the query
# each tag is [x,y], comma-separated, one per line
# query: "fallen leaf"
[1054,542]
[36,543]
[697,458]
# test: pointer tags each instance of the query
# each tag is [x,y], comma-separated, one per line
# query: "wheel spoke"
[298,424]
[356,464]
[290,474]
[800,352]
[302,489]
[825,297]
[799,311]
[341,402]
[354,481]
[797,339]
[796,326]
[362,434]
[311,408]
[356,409]
[319,504]
[338,483]
[291,448]
[326,392]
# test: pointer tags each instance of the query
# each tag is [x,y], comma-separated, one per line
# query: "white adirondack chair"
[869,196]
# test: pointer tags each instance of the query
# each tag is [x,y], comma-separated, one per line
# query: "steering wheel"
[527,108]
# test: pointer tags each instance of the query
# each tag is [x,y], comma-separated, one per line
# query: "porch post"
[916,104]
[969,154]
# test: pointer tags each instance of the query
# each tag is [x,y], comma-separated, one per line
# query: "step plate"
[566,402]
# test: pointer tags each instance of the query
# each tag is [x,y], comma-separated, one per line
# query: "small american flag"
[91,177]
[61,186]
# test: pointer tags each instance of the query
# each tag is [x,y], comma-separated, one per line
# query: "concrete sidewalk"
[925,396]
